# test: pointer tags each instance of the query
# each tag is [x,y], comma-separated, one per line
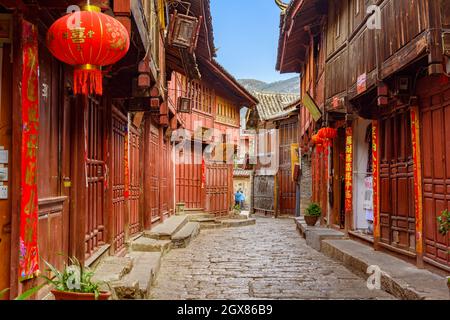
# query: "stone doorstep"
[167,229]
[399,278]
[314,236]
[151,245]
[112,269]
[183,237]
[198,216]
[210,225]
[137,283]
[230,223]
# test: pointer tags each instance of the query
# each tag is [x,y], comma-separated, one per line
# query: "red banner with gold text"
[349,170]
[28,256]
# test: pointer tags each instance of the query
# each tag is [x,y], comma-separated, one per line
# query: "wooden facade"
[387,62]
[204,173]
[104,163]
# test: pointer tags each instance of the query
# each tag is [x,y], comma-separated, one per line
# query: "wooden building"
[103,170]
[380,77]
[275,191]
[205,159]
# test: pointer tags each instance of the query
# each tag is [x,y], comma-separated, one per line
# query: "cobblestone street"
[266,261]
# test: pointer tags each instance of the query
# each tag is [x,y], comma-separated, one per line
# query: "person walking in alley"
[239,198]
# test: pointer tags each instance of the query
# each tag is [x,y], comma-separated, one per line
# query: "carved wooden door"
[95,173]
[397,216]
[119,129]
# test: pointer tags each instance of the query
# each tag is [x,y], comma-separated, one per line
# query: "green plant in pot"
[312,214]
[75,282]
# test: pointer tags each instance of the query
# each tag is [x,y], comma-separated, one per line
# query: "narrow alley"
[268,260]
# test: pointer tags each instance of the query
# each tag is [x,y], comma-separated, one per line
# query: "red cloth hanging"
[29,253]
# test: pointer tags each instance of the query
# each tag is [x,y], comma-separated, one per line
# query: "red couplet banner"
[28,256]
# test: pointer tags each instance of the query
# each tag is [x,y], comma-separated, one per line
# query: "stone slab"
[231,223]
[168,228]
[399,278]
[151,245]
[182,238]
[112,269]
[137,283]
[314,236]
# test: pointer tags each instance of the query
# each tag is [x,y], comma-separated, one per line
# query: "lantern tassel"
[88,81]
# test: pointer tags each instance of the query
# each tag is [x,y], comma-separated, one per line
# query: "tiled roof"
[242,173]
[275,105]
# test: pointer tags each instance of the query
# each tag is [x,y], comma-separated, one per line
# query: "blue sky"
[246,33]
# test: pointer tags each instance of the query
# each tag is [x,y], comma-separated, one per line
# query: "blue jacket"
[239,196]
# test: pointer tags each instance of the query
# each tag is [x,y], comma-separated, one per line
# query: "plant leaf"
[29,292]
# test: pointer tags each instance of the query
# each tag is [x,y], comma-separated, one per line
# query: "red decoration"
[88,40]
[349,170]
[29,253]
[203,173]
[126,166]
[327,133]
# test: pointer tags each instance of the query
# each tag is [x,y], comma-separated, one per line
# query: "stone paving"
[266,261]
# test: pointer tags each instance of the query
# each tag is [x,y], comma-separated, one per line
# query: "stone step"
[231,223]
[151,245]
[203,219]
[112,269]
[182,238]
[210,225]
[167,229]
[137,283]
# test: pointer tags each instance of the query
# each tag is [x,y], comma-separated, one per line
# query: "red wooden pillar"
[418,201]
[15,169]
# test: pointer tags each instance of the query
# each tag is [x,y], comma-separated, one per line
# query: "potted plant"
[75,283]
[444,228]
[312,214]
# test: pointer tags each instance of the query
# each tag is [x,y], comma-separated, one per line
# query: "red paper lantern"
[88,40]
[316,139]
[327,133]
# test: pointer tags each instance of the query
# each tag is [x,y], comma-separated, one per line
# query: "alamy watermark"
[374,280]
[374,20]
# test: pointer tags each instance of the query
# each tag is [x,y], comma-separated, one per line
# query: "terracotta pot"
[311,221]
[63,295]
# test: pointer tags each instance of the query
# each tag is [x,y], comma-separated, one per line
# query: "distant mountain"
[285,86]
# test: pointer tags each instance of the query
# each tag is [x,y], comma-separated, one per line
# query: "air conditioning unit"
[184,105]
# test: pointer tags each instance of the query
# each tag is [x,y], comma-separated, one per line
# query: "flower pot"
[64,295]
[311,220]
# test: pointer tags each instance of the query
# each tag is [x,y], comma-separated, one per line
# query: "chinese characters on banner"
[376,214]
[126,164]
[415,136]
[28,255]
[348,169]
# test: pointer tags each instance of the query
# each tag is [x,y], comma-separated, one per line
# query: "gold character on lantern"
[78,35]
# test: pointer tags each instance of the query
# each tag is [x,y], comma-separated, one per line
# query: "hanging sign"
[312,107]
[361,85]
[28,254]
[295,161]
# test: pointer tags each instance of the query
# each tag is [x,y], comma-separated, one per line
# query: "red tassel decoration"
[88,81]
